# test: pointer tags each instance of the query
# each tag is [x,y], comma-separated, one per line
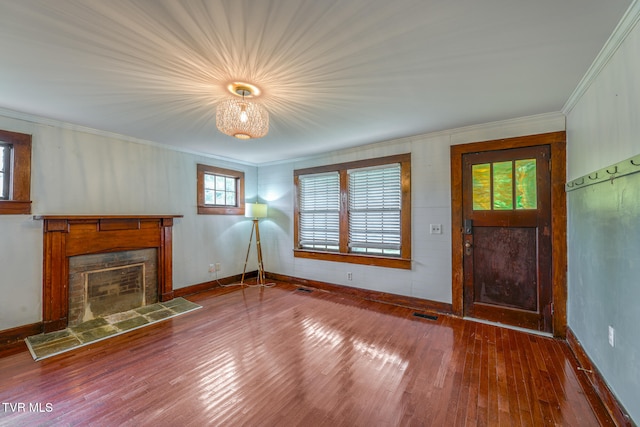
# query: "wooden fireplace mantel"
[72,235]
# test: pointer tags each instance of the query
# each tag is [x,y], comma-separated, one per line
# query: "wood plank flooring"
[283,357]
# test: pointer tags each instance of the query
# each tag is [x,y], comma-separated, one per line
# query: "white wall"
[430,276]
[603,128]
[79,171]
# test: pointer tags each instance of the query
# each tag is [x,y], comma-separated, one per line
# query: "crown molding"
[620,33]
[457,135]
[43,121]
[538,123]
[508,128]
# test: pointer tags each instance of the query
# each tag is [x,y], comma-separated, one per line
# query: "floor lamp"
[255,211]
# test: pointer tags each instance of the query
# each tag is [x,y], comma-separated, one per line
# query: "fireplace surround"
[67,236]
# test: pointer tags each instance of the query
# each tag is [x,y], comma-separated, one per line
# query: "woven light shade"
[242,119]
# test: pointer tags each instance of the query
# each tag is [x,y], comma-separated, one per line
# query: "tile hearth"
[50,344]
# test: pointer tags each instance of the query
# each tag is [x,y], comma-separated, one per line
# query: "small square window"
[220,191]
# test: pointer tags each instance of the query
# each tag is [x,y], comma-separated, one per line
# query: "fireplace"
[94,265]
[113,282]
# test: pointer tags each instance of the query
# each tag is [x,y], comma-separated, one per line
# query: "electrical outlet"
[218,268]
[436,229]
[212,268]
[612,336]
[349,276]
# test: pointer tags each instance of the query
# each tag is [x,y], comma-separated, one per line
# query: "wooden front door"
[506,210]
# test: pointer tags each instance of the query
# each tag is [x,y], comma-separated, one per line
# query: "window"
[15,173]
[358,212]
[319,211]
[220,191]
[5,170]
[505,185]
[375,205]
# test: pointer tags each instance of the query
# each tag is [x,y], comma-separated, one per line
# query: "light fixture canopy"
[255,210]
[240,117]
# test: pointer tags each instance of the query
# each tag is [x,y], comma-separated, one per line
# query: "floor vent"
[304,290]
[425,316]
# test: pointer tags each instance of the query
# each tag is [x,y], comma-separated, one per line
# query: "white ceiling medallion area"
[334,74]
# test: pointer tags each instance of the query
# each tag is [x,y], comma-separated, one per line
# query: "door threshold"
[515,328]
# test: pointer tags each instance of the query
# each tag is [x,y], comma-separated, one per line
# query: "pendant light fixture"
[240,117]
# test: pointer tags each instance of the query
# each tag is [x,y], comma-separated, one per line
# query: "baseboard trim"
[384,297]
[9,337]
[596,381]
[205,286]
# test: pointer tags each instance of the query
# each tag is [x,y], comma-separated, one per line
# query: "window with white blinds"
[5,170]
[319,211]
[357,212]
[375,204]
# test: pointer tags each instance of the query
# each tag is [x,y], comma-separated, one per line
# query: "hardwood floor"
[281,356]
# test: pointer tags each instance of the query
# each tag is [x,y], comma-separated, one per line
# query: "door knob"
[467,248]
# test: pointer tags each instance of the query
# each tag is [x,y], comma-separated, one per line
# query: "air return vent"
[304,290]
[425,316]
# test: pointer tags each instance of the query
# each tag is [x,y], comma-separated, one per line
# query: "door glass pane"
[526,188]
[503,185]
[481,176]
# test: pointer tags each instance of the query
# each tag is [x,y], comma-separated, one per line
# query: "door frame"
[557,144]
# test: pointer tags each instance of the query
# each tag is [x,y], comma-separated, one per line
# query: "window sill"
[211,210]
[378,261]
[14,207]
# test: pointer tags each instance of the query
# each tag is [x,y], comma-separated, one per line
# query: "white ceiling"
[335,73]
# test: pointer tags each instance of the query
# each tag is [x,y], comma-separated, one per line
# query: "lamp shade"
[255,210]
[242,119]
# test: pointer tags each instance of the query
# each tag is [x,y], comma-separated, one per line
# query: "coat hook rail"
[610,173]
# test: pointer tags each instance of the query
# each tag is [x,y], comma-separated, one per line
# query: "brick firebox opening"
[109,283]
